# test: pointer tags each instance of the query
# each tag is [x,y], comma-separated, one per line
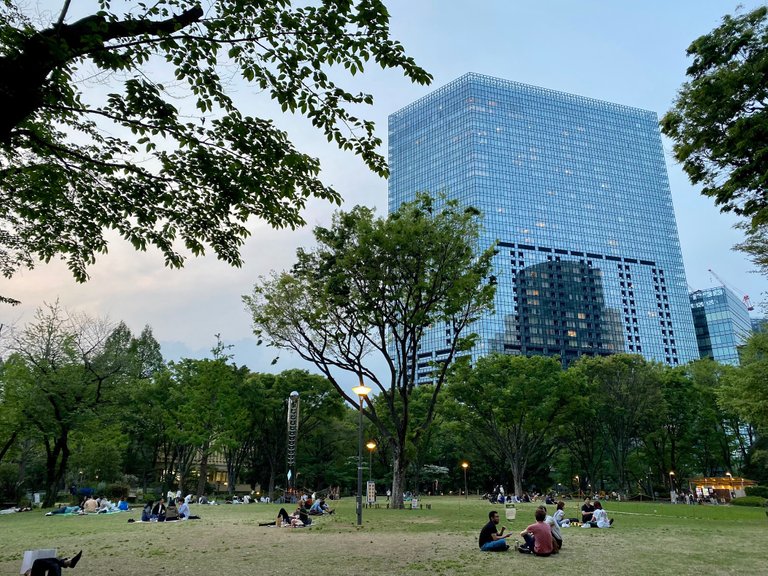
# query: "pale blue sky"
[632,53]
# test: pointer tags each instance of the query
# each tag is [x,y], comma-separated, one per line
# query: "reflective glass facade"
[722,323]
[575,191]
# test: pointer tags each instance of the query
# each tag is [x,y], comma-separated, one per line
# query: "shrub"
[749,501]
[761,491]
[116,490]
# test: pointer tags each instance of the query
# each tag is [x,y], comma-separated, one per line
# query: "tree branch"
[24,75]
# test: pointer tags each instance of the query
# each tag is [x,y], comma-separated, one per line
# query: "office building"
[722,323]
[575,191]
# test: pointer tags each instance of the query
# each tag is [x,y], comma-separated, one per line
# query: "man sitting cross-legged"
[490,539]
[538,537]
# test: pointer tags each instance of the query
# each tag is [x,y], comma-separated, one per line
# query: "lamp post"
[371,445]
[578,484]
[465,465]
[671,479]
[362,391]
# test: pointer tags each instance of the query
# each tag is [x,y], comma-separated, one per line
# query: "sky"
[631,53]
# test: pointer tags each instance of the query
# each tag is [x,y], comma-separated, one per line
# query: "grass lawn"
[646,539]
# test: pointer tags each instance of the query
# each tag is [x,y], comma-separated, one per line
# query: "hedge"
[749,501]
[761,491]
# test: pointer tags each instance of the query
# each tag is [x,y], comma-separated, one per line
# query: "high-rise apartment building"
[576,193]
[722,323]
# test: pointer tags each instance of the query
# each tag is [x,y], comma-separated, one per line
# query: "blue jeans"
[494,546]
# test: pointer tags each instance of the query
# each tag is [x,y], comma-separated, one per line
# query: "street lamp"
[371,445]
[672,479]
[465,465]
[362,391]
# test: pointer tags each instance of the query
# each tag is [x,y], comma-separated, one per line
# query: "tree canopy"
[719,122]
[128,120]
[372,288]
[513,402]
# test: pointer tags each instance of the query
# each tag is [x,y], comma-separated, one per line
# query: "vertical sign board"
[371,492]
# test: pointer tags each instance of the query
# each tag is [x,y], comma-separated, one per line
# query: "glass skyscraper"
[575,191]
[722,323]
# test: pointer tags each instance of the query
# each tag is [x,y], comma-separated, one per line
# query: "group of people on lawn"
[306,507]
[92,505]
[159,512]
[542,538]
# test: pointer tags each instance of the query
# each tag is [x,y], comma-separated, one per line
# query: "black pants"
[49,566]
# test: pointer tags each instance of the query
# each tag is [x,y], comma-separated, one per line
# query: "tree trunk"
[271,484]
[398,476]
[231,477]
[517,476]
[8,444]
[56,466]
[203,470]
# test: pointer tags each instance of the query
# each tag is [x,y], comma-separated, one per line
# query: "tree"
[668,444]
[319,405]
[512,401]
[174,164]
[374,286]
[11,425]
[629,394]
[203,405]
[718,438]
[746,388]
[755,244]
[63,369]
[583,442]
[719,123]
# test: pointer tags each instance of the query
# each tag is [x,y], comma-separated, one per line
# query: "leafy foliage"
[163,155]
[628,399]
[761,491]
[64,370]
[746,390]
[719,123]
[373,286]
[512,401]
[757,501]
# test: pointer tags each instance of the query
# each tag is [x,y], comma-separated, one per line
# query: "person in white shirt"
[599,518]
[554,527]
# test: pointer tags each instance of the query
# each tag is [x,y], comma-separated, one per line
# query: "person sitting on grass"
[599,518]
[559,515]
[557,537]
[184,513]
[538,536]
[122,504]
[490,539]
[53,566]
[159,510]
[319,508]
[586,510]
[90,506]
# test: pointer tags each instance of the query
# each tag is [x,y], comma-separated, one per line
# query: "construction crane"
[744,297]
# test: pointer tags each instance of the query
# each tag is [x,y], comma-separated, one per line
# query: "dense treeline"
[87,403]
[84,402]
